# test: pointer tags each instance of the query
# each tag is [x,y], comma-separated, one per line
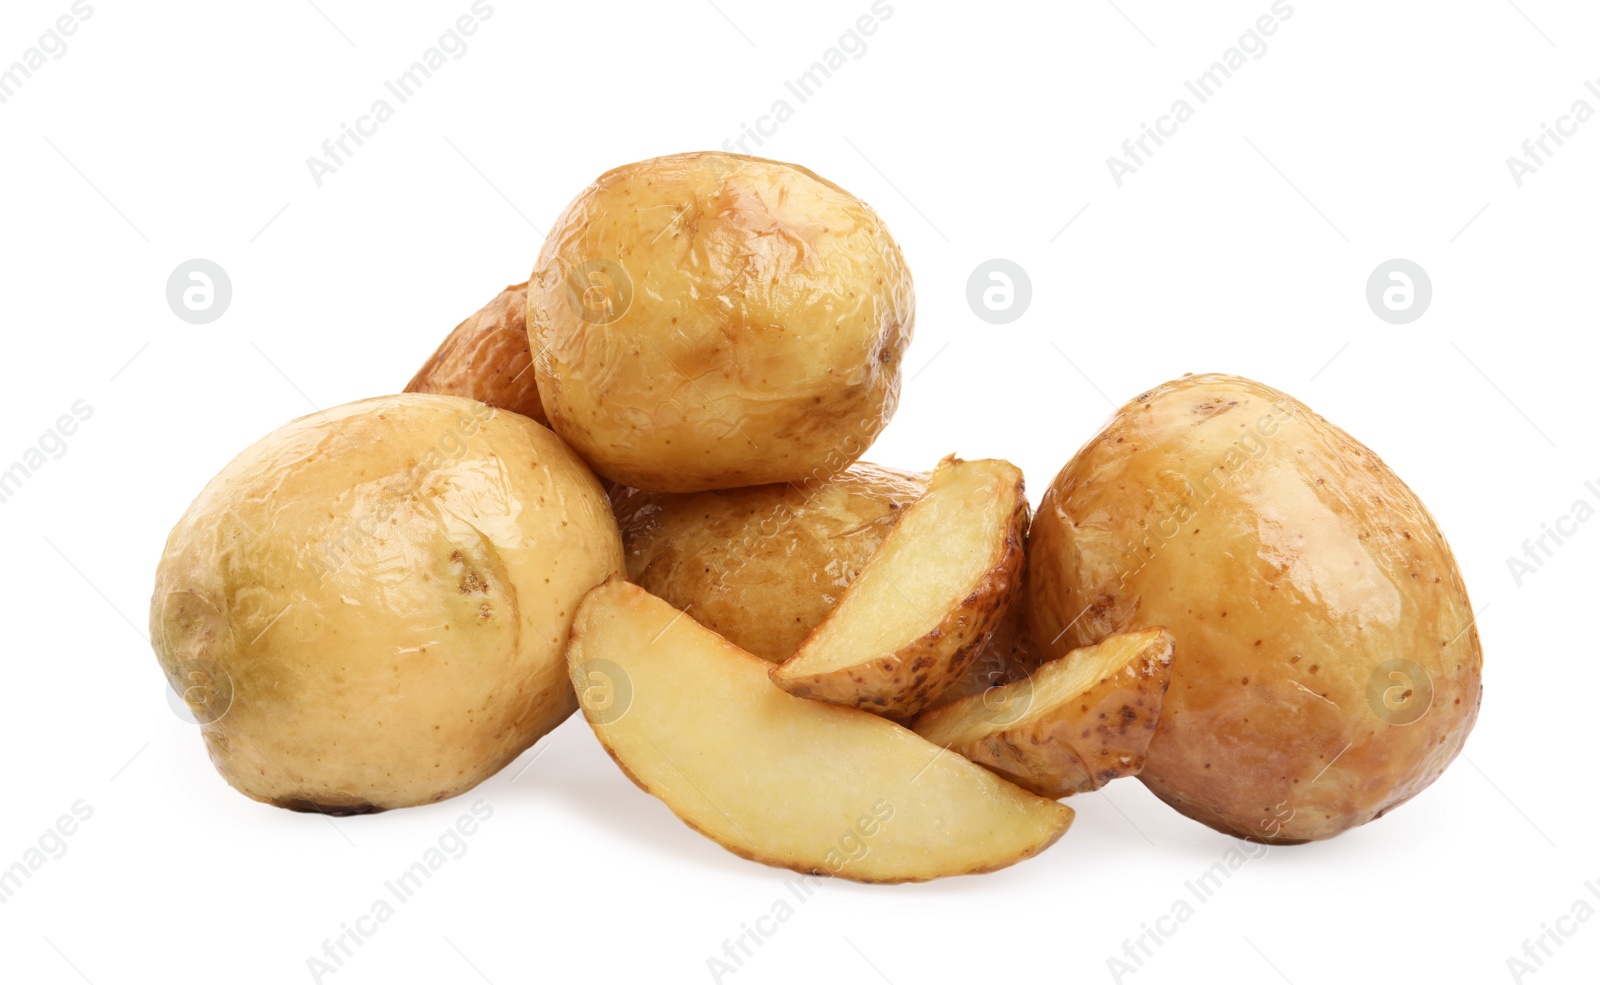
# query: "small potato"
[1326,666]
[368,608]
[487,358]
[704,321]
[762,565]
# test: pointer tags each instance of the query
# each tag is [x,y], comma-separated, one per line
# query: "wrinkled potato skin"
[1289,563]
[388,587]
[763,565]
[769,311]
[908,681]
[487,358]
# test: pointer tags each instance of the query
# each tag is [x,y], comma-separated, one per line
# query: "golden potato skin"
[487,358]
[762,565]
[386,589]
[1010,656]
[1291,566]
[704,321]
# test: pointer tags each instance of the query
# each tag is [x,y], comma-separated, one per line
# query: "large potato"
[368,608]
[762,565]
[710,320]
[1326,667]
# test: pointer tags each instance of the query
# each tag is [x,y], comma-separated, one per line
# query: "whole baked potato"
[710,320]
[367,609]
[1326,667]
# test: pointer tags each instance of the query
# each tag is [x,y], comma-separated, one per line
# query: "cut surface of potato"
[1076,724]
[820,789]
[925,606]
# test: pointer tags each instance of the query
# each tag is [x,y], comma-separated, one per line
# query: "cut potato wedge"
[924,607]
[695,721]
[1074,725]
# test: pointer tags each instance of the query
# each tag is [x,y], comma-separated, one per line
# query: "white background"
[1366,131]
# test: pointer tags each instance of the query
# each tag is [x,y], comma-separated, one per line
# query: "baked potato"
[814,787]
[703,321]
[368,608]
[487,358]
[1300,578]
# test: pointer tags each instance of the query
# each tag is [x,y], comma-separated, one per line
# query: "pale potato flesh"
[487,358]
[1075,724]
[762,565]
[1301,579]
[821,789]
[709,320]
[380,594]
[924,607]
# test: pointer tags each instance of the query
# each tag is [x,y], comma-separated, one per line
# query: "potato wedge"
[487,358]
[1074,725]
[922,610]
[694,720]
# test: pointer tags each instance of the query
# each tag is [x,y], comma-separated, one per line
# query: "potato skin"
[762,565]
[386,589]
[1010,656]
[911,679]
[1291,566]
[487,358]
[704,321]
